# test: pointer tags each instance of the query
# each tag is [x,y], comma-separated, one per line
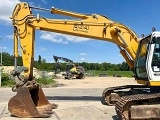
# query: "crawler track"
[123,106]
[112,94]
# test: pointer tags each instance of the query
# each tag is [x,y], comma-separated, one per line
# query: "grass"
[6,81]
[111,73]
[46,81]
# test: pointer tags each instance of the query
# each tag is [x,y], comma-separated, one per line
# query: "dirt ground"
[95,82]
[76,99]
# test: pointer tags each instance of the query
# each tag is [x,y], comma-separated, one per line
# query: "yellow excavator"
[71,71]
[142,55]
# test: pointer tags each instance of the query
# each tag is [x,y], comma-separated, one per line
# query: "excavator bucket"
[30,103]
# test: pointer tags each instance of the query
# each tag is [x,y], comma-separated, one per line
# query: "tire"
[70,77]
[81,76]
[81,72]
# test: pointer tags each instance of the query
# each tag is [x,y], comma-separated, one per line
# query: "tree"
[39,59]
[124,67]
[7,59]
[43,61]
[41,64]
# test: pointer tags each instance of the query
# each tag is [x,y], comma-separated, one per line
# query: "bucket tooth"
[30,103]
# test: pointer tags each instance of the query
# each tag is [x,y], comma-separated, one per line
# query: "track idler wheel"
[30,103]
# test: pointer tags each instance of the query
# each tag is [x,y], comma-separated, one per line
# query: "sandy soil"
[95,82]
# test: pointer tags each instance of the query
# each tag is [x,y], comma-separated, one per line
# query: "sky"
[139,15]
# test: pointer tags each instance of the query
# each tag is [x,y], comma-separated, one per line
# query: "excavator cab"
[147,64]
[69,67]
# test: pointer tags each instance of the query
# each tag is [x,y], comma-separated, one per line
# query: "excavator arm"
[90,26]
[58,65]
[56,59]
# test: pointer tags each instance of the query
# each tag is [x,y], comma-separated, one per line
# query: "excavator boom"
[90,26]
[56,58]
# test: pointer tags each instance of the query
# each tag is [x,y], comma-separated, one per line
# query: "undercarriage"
[134,102]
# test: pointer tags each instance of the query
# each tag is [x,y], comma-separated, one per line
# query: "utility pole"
[1,63]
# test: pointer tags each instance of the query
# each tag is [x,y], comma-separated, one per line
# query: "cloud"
[9,36]
[32,4]
[83,54]
[61,38]
[43,49]
[3,48]
[6,9]
[82,59]
[44,1]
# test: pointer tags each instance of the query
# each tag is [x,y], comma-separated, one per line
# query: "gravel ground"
[95,82]
[77,99]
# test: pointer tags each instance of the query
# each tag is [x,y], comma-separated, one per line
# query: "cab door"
[153,59]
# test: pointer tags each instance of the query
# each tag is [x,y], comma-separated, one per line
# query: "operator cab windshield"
[68,67]
[140,65]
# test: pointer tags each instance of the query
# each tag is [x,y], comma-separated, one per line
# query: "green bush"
[6,81]
[45,80]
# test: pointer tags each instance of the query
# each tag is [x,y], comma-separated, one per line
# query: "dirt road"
[95,82]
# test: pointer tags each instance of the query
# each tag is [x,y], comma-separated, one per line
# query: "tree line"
[41,64]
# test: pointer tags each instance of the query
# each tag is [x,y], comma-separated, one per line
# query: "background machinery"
[138,102]
[71,69]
